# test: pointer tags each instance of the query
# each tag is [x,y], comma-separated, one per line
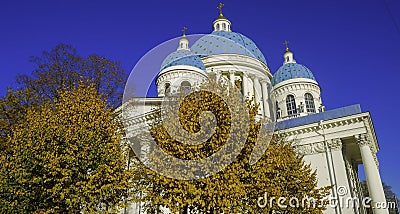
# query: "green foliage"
[236,188]
[65,157]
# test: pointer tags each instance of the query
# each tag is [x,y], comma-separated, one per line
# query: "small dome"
[182,57]
[225,42]
[291,71]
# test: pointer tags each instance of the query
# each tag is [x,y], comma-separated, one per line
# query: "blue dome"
[182,57]
[224,42]
[291,71]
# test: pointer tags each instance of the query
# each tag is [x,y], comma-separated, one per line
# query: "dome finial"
[221,23]
[286,43]
[288,56]
[220,6]
[183,42]
[184,31]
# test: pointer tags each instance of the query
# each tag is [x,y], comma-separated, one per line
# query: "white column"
[232,77]
[374,181]
[265,98]
[258,94]
[218,73]
[245,85]
[250,86]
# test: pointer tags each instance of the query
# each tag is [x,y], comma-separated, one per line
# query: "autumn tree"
[66,157]
[59,69]
[235,189]
[62,68]
[12,110]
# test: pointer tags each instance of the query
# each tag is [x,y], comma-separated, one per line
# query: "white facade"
[334,142]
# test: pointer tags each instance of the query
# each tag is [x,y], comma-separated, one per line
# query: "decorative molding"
[364,140]
[334,124]
[368,125]
[319,147]
[335,144]
[309,149]
[262,80]
[251,76]
[296,86]
[375,159]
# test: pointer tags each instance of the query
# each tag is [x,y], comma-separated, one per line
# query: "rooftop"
[313,118]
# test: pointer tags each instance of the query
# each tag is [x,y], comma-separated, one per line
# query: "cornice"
[295,86]
[236,60]
[333,123]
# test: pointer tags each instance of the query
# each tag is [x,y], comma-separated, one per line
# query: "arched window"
[167,88]
[223,26]
[291,105]
[217,28]
[309,103]
[186,86]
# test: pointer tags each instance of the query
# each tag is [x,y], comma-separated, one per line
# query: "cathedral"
[334,142]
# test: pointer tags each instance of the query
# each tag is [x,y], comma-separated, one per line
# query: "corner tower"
[180,68]
[295,90]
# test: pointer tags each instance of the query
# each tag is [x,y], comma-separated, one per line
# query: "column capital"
[335,144]
[251,76]
[363,139]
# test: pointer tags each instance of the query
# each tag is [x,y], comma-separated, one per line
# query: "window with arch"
[167,88]
[217,27]
[186,86]
[223,26]
[310,106]
[291,105]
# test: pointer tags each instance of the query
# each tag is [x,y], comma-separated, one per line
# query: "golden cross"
[184,30]
[220,6]
[287,45]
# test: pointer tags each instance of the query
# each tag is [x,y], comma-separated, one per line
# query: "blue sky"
[352,47]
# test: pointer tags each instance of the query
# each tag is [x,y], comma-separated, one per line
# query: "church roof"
[182,57]
[291,71]
[225,42]
[314,118]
